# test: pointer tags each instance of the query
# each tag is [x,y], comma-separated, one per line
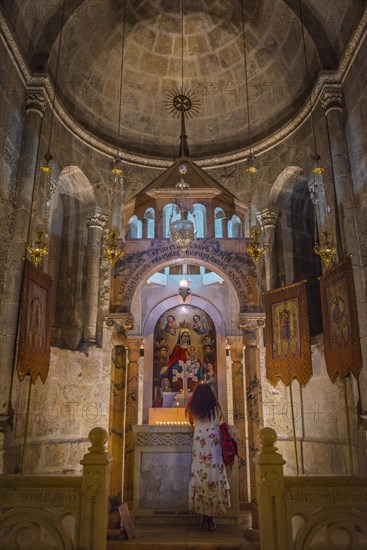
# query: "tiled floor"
[186,537]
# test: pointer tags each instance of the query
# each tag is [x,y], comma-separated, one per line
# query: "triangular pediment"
[202,188]
[164,184]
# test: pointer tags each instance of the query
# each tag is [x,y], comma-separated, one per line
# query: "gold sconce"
[39,248]
[256,248]
[113,250]
[325,249]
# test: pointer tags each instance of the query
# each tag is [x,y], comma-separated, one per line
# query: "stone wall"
[12,112]
[320,421]
[74,399]
[355,96]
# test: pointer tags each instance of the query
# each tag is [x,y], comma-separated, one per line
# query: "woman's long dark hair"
[203,404]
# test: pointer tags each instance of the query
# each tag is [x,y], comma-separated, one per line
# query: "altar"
[162,473]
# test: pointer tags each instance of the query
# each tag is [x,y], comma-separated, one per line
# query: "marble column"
[35,108]
[251,324]
[225,228]
[96,223]
[115,339]
[67,326]
[350,239]
[268,218]
[132,401]
[238,393]
[333,108]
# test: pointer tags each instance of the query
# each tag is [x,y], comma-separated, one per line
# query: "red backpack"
[228,443]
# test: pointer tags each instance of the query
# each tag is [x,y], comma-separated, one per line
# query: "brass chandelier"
[39,248]
[325,246]
[182,103]
[256,247]
[115,249]
[182,230]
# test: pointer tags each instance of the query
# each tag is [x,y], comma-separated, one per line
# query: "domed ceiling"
[213,64]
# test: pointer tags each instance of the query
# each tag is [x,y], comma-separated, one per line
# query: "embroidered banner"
[35,325]
[288,350]
[340,322]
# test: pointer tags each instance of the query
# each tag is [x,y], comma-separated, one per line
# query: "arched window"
[167,211]
[234,228]
[200,220]
[218,222]
[149,217]
[135,228]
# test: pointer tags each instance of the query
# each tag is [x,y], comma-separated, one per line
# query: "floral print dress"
[209,492]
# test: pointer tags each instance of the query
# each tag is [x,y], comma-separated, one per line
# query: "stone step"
[185,537]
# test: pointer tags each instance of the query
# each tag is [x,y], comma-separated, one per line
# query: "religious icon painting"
[340,322]
[288,350]
[35,325]
[184,353]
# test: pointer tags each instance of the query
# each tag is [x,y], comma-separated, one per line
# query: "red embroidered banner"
[35,325]
[340,322]
[288,350]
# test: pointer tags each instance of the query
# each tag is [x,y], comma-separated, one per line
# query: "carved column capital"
[251,321]
[97,218]
[331,99]
[269,216]
[35,101]
[120,324]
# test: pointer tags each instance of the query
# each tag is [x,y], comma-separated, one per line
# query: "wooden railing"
[307,512]
[63,512]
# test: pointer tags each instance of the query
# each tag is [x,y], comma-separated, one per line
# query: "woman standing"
[209,488]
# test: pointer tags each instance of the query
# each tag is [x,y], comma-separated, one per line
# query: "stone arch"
[149,220]
[200,220]
[148,331]
[73,201]
[235,301]
[135,228]
[294,235]
[235,227]
[219,218]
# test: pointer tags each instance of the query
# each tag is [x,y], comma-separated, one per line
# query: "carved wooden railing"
[60,512]
[307,512]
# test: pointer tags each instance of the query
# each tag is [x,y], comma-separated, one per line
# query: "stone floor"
[187,537]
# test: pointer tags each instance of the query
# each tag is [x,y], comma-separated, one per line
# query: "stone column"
[115,338]
[35,108]
[333,108]
[132,401]
[268,218]
[96,223]
[350,239]
[238,392]
[251,324]
[225,228]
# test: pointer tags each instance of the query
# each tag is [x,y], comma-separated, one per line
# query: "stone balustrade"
[64,512]
[307,512]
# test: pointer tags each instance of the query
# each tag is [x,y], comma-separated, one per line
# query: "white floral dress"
[208,488]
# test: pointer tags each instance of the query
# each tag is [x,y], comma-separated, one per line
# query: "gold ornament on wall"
[39,248]
[113,249]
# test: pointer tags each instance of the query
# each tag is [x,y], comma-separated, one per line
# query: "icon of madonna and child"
[185,355]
